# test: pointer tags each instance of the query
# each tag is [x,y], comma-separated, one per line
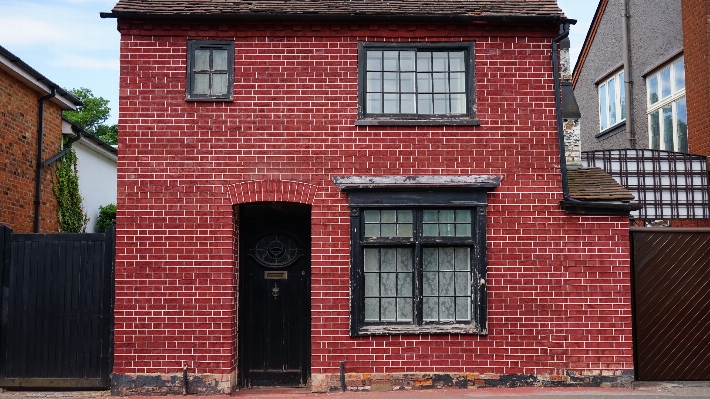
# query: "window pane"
[404,216]
[404,284]
[389,309]
[652,89]
[372,260]
[463,230]
[374,60]
[681,125]
[404,309]
[201,84]
[372,230]
[446,258]
[388,284]
[622,95]
[458,103]
[457,82]
[463,216]
[404,259]
[612,102]
[463,285]
[446,215]
[202,60]
[425,104]
[423,61]
[388,262]
[463,258]
[457,61]
[220,83]
[388,230]
[441,104]
[372,216]
[440,61]
[440,83]
[446,309]
[431,258]
[655,128]
[446,283]
[374,81]
[431,287]
[431,308]
[424,83]
[463,308]
[667,112]
[391,83]
[219,60]
[389,216]
[602,108]
[407,104]
[665,82]
[431,230]
[404,230]
[447,229]
[406,60]
[406,82]
[391,104]
[679,71]
[390,60]
[431,216]
[374,103]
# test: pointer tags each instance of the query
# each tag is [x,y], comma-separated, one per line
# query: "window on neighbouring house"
[612,101]
[667,115]
[416,83]
[210,67]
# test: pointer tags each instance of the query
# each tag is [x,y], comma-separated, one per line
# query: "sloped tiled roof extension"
[469,8]
[594,184]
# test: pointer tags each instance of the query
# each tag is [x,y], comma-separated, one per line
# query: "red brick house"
[359,194]
[31,129]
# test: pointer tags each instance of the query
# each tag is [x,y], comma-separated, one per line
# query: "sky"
[67,41]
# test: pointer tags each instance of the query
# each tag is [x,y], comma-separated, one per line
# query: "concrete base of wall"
[391,382]
[172,384]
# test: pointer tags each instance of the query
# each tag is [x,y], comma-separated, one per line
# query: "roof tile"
[594,184]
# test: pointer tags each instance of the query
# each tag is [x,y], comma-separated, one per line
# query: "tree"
[92,115]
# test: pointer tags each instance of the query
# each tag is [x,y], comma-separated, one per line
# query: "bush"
[107,216]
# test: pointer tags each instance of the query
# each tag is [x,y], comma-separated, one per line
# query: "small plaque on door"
[275,275]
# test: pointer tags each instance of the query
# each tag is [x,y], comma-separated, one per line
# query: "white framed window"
[667,114]
[612,101]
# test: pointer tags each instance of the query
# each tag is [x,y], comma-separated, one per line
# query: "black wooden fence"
[56,309]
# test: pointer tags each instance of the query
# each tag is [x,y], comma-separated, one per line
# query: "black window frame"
[192,46]
[367,118]
[362,196]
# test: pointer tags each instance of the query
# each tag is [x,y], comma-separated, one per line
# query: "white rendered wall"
[97,180]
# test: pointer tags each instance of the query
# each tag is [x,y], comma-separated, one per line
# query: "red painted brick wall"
[559,295]
[18,156]
[696,43]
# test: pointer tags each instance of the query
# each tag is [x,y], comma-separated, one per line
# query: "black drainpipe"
[40,133]
[558,109]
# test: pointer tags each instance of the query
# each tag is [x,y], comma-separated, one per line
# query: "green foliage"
[71,215]
[107,214]
[92,115]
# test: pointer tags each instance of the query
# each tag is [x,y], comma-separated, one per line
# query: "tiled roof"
[594,184]
[472,8]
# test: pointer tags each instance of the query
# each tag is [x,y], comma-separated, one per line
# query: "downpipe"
[40,140]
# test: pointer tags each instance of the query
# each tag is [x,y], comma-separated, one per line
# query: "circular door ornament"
[276,250]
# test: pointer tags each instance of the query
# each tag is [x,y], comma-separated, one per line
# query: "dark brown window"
[416,84]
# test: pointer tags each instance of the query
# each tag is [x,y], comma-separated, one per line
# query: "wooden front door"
[274,294]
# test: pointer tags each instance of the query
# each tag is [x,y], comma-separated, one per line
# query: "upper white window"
[612,101]
[667,115]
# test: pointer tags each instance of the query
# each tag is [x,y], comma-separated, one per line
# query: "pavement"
[640,390]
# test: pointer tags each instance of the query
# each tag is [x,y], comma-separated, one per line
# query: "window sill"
[432,329]
[417,122]
[217,99]
[611,130]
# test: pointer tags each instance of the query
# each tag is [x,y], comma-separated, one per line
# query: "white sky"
[67,41]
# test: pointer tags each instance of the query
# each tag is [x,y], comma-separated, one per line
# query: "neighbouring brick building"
[310,188]
[24,95]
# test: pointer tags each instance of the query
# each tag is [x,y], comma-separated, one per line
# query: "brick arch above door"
[272,191]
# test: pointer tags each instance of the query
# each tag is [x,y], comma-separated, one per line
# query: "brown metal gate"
[672,303]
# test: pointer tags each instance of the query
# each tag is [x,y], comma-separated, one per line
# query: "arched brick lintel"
[272,191]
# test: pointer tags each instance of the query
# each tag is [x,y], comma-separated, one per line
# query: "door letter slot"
[275,275]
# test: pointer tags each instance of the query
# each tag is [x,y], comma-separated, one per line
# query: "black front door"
[274,250]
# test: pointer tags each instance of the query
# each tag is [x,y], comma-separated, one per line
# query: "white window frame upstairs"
[665,97]
[612,98]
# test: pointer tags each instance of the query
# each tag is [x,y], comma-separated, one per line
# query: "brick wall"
[696,43]
[559,295]
[18,156]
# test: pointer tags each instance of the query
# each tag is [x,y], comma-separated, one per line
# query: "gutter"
[558,109]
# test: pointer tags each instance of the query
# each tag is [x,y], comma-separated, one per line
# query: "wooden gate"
[56,309]
[671,268]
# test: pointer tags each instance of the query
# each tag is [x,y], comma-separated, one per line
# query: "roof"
[594,184]
[478,9]
[86,136]
[591,33]
[18,68]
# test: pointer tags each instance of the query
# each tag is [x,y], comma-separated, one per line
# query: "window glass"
[210,70]
[667,113]
[622,95]
[612,101]
[665,78]
[679,71]
[612,104]
[416,82]
[653,89]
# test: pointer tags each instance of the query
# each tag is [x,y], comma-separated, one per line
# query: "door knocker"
[275,291]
